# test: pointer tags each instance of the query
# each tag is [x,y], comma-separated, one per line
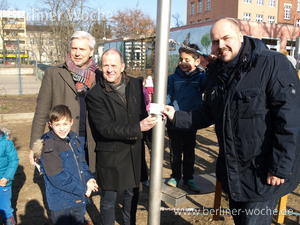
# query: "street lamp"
[19,66]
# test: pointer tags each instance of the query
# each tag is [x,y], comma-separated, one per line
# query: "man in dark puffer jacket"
[253,99]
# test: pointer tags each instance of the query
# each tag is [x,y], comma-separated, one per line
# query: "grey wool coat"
[58,88]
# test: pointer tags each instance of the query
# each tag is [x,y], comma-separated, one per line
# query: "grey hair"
[84,35]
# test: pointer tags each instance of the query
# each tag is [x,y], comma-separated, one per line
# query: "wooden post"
[217,200]
[281,209]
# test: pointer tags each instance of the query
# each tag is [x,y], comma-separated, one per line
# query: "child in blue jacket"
[8,165]
[185,88]
[68,180]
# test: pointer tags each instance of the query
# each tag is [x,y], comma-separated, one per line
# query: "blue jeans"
[6,210]
[108,204]
[70,216]
[252,213]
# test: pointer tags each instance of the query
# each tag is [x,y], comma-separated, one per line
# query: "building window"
[193,8]
[297,23]
[247,16]
[287,11]
[271,19]
[260,2]
[200,6]
[259,18]
[248,1]
[272,3]
[298,5]
[208,5]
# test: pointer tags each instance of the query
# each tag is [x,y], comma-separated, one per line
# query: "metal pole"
[19,66]
[161,70]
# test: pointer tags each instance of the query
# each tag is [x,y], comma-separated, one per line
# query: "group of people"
[99,116]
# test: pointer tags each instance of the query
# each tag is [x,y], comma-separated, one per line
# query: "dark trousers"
[108,204]
[182,143]
[70,216]
[252,213]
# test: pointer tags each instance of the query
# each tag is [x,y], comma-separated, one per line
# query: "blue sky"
[108,7]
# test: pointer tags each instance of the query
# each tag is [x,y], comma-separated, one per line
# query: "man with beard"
[67,84]
[185,88]
[252,97]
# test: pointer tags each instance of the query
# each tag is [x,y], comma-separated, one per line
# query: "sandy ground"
[28,197]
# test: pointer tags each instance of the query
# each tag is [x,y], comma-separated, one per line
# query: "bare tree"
[178,21]
[3,5]
[101,29]
[132,23]
[66,17]
[41,44]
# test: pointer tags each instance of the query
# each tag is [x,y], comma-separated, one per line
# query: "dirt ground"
[28,197]
[17,104]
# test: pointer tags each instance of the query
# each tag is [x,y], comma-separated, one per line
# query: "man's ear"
[241,37]
[72,122]
[50,124]
[92,53]
[198,61]
[122,67]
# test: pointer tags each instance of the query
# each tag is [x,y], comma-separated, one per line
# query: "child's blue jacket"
[8,159]
[65,171]
[185,91]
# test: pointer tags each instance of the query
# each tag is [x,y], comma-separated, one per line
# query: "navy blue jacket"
[65,171]
[184,91]
[255,108]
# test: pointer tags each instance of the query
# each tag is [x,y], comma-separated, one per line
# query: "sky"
[109,7]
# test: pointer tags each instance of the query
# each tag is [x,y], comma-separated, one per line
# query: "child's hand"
[92,185]
[169,111]
[88,192]
[3,182]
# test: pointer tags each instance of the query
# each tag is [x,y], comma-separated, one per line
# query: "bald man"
[253,99]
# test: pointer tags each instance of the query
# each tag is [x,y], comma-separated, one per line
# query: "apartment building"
[40,43]
[289,12]
[250,10]
[12,36]
[276,22]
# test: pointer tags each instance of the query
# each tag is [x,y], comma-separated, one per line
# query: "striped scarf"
[84,78]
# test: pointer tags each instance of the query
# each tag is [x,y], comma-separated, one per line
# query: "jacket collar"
[186,75]
[51,134]
[107,89]
[66,76]
[251,48]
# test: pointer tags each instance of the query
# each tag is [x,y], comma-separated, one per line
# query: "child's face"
[61,127]
[187,63]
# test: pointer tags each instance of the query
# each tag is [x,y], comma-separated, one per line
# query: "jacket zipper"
[74,155]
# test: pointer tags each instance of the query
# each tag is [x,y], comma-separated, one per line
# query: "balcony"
[14,26]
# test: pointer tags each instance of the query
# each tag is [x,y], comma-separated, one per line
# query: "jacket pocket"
[260,177]
[250,103]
